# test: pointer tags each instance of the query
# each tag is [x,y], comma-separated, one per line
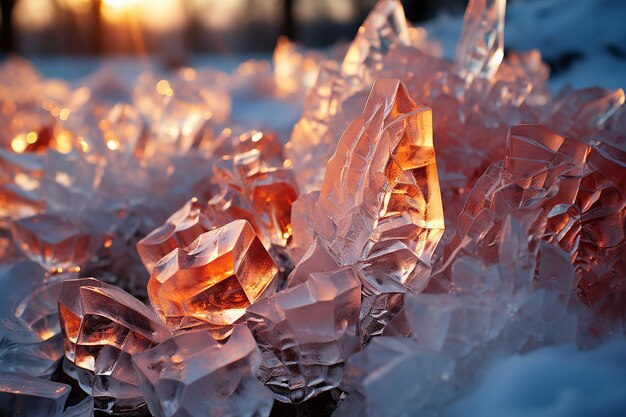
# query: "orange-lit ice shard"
[380,204]
[256,187]
[53,242]
[213,280]
[182,228]
[102,326]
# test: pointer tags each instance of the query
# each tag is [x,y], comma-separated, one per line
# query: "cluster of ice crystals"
[495,309]
[474,98]
[306,332]
[572,194]
[207,378]
[260,292]
[102,327]
[379,209]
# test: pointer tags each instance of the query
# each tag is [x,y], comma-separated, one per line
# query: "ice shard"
[380,205]
[385,26]
[102,326]
[306,333]
[21,395]
[481,48]
[329,105]
[52,241]
[193,375]
[180,229]
[214,279]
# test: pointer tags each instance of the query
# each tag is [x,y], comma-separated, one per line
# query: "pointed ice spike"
[480,49]
[380,200]
[386,25]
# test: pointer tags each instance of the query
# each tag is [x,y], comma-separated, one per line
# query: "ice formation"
[426,217]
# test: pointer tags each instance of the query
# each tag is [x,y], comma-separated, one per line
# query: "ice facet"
[272,193]
[22,395]
[302,223]
[30,340]
[102,326]
[306,333]
[180,229]
[316,259]
[192,374]
[212,280]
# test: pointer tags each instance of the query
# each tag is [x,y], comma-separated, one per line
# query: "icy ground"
[584,41]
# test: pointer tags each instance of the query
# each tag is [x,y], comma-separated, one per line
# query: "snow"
[552,382]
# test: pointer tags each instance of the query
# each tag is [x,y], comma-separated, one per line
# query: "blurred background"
[582,41]
[182,26]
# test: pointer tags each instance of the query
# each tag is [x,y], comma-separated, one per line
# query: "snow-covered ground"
[552,382]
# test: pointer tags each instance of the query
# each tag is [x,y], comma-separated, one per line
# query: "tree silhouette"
[7,42]
[288,28]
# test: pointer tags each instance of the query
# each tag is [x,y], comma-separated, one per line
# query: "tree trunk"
[7,43]
[288,19]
